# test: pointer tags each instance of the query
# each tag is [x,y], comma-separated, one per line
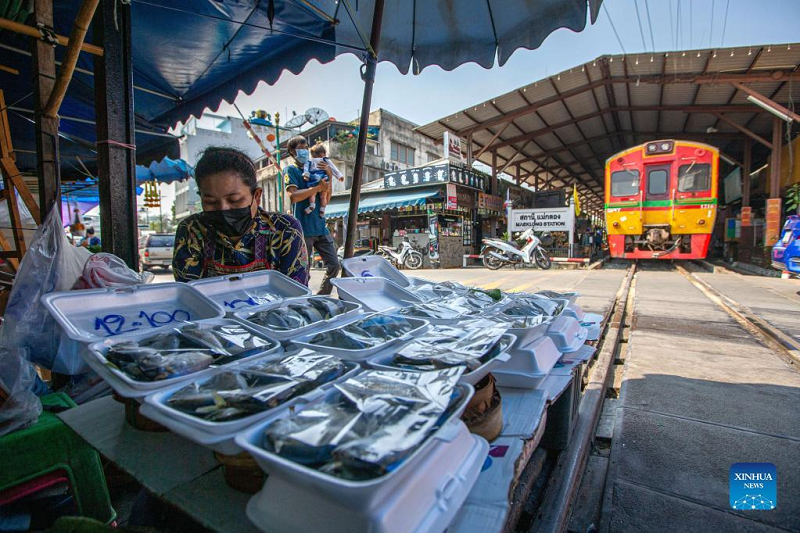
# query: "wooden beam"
[48,158]
[30,31]
[744,130]
[746,169]
[775,159]
[82,21]
[116,159]
[493,139]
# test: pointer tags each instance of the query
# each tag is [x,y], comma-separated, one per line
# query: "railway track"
[563,484]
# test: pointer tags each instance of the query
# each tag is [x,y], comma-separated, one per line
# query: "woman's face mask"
[231,222]
[301,155]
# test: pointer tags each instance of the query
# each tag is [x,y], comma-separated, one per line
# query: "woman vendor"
[233,235]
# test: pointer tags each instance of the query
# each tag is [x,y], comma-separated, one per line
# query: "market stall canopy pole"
[368,75]
[116,150]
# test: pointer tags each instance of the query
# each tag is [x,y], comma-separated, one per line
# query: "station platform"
[698,394]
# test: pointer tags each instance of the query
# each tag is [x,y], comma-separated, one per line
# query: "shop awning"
[381,201]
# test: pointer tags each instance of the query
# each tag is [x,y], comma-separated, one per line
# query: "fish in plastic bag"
[365,333]
[148,364]
[298,315]
[471,344]
[258,387]
[376,420]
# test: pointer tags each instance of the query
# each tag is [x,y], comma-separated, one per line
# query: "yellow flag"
[576,200]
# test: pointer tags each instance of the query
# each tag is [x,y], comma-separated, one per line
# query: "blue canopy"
[381,201]
[195,54]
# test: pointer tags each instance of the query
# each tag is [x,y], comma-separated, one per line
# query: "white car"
[156,250]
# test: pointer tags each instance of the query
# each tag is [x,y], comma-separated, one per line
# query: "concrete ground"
[597,287]
[699,394]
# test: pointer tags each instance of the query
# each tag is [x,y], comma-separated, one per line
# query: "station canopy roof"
[194,54]
[559,131]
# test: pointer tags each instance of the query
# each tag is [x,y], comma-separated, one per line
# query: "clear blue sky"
[337,88]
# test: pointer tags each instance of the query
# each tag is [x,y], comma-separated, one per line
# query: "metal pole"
[116,159]
[775,159]
[368,75]
[748,158]
[279,178]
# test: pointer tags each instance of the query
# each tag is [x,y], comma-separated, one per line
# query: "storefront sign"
[553,219]
[466,198]
[452,147]
[489,202]
[772,231]
[747,213]
[452,197]
[436,173]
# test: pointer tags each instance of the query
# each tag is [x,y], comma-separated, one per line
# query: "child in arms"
[312,174]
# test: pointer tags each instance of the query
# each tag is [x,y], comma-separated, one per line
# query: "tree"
[792,198]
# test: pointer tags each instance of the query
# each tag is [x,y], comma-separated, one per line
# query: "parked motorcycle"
[405,255]
[498,253]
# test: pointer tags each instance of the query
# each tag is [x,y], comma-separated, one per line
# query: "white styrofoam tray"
[131,388]
[159,401]
[374,266]
[237,291]
[528,366]
[357,495]
[567,333]
[362,354]
[428,501]
[352,311]
[383,361]
[93,314]
[374,293]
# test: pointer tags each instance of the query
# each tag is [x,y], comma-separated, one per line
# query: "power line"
[615,29]
[678,35]
[671,26]
[725,24]
[639,20]
[650,23]
[711,34]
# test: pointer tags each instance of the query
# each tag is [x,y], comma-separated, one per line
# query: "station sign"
[551,219]
[441,172]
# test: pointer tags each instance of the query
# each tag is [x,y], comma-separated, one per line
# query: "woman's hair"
[218,159]
[294,142]
[318,150]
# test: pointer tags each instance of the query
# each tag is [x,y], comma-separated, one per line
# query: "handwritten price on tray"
[115,324]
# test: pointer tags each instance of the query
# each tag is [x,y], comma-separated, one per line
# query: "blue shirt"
[313,224]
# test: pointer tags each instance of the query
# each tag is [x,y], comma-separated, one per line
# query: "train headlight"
[659,148]
[615,224]
[701,222]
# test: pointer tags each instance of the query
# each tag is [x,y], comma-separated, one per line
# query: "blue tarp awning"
[381,201]
[191,55]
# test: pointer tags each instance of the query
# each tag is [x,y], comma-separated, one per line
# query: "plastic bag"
[51,264]
[256,388]
[298,315]
[375,421]
[365,333]
[17,377]
[471,344]
[107,270]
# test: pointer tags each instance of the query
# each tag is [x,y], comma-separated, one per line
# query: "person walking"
[300,192]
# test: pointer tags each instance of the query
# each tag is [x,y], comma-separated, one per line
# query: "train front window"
[625,183]
[657,182]
[694,177]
